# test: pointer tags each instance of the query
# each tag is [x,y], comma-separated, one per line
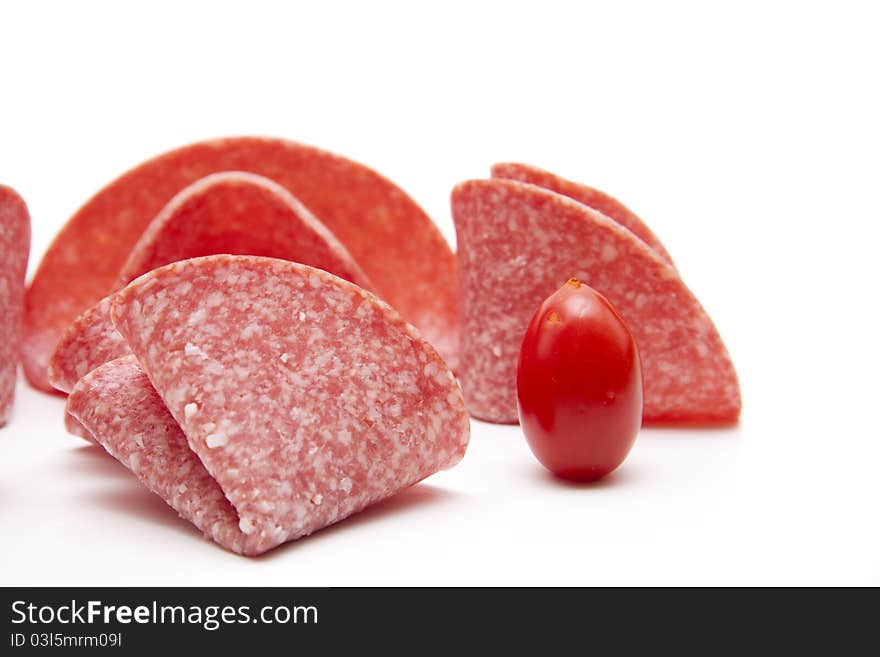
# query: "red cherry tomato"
[579,384]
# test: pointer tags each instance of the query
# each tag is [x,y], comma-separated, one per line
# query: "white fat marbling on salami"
[89,342]
[518,243]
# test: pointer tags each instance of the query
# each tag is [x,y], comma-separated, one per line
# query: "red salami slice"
[593,198]
[239,213]
[518,243]
[89,342]
[392,239]
[305,397]
[15,240]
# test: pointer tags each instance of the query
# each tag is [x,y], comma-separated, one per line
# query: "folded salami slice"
[517,243]
[305,397]
[239,213]
[147,440]
[593,198]
[391,238]
[15,242]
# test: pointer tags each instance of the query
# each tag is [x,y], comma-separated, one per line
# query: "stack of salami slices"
[245,196]
[262,332]
[262,399]
[521,235]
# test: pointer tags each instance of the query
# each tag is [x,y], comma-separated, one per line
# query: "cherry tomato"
[579,384]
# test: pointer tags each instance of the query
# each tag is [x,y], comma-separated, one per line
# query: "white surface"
[746,138]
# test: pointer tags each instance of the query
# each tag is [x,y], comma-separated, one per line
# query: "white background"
[746,137]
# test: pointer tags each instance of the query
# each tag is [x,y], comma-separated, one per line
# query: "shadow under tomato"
[705,425]
[622,476]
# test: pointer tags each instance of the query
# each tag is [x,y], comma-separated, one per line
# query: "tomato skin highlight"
[579,384]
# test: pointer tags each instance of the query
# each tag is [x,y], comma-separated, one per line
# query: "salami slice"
[89,342]
[593,198]
[518,243]
[305,397]
[15,240]
[392,239]
[239,213]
